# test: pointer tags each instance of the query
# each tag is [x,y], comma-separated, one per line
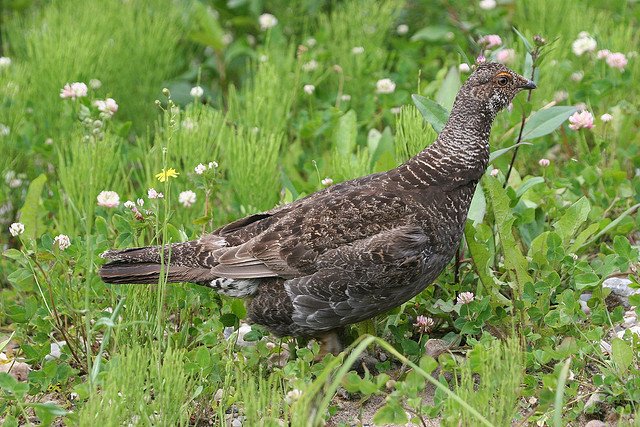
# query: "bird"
[353,250]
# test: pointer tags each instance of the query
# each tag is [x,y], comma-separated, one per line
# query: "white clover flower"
[309,89]
[402,29]
[606,117]
[108,199]
[465,298]
[560,96]
[584,43]
[95,84]
[129,204]
[227,38]
[464,68]
[505,56]
[267,21]
[263,58]
[577,76]
[153,194]
[108,106]
[385,86]
[487,4]
[73,90]
[490,41]
[196,92]
[602,54]
[187,198]
[5,62]
[358,50]
[494,172]
[4,130]
[327,181]
[63,241]
[310,66]
[292,396]
[188,124]
[617,60]
[140,202]
[582,119]
[199,170]
[544,162]
[213,165]
[424,324]
[345,97]
[16,229]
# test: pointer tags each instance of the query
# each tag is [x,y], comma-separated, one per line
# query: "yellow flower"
[170,173]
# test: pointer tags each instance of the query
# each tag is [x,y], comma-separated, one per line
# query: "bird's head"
[493,86]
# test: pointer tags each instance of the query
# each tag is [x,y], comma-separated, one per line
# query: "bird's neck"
[460,154]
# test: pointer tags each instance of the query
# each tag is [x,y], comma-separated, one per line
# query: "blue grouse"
[353,250]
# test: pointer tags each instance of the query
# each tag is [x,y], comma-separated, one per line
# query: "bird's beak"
[529,85]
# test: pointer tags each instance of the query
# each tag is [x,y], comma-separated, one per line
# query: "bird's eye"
[502,80]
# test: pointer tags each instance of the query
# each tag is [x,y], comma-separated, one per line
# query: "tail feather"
[144,265]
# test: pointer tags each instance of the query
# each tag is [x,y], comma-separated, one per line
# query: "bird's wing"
[294,242]
[359,281]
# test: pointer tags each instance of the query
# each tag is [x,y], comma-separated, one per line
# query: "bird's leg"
[329,343]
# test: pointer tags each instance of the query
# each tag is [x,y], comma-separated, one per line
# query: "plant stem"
[534,57]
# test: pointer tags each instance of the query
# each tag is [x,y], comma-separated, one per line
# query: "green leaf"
[205,28]
[391,413]
[586,280]
[572,219]
[495,154]
[11,385]
[30,209]
[528,184]
[449,89]
[432,33]
[381,150]
[346,133]
[478,207]
[612,224]
[583,236]
[524,40]
[201,220]
[621,354]
[3,344]
[13,254]
[101,226]
[543,122]
[431,111]
[121,224]
[428,364]
[514,260]
[47,412]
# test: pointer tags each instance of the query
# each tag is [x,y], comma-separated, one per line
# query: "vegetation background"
[293,96]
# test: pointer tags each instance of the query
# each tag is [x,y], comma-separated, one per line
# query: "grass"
[162,355]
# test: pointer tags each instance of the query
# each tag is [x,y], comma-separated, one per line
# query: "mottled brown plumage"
[355,249]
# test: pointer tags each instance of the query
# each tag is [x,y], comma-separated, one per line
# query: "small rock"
[55,350]
[593,401]
[595,423]
[620,291]
[605,347]
[435,347]
[585,307]
[236,423]
[242,331]
[18,370]
[630,319]
[218,395]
